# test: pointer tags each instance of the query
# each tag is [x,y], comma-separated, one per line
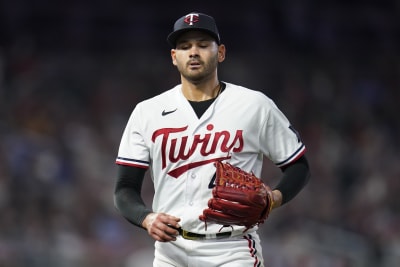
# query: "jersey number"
[211,185]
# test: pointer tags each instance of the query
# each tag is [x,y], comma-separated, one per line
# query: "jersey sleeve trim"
[132,162]
[296,155]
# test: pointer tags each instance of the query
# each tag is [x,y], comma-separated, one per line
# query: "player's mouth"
[194,64]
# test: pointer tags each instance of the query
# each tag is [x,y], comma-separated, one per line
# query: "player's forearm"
[127,194]
[294,178]
[130,206]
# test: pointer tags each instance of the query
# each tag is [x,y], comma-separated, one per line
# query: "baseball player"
[178,136]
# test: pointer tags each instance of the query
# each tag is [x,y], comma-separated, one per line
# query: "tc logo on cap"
[191,18]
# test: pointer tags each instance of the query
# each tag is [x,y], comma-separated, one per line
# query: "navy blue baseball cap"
[194,21]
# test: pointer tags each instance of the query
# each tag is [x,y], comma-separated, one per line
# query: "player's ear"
[173,56]
[221,53]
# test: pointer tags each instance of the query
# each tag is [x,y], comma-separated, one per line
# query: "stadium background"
[72,71]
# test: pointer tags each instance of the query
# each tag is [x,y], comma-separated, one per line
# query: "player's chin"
[195,76]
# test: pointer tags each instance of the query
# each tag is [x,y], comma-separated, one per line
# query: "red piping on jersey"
[253,250]
[132,165]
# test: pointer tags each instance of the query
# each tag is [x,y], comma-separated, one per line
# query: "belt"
[195,236]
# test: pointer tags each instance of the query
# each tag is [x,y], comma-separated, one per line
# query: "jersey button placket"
[191,188]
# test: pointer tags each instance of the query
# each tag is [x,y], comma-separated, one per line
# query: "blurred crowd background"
[71,72]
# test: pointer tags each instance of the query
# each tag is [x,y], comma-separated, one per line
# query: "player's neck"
[201,92]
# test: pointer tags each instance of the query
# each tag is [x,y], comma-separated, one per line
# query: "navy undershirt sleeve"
[295,177]
[127,194]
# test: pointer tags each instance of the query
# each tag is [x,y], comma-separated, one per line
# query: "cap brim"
[173,36]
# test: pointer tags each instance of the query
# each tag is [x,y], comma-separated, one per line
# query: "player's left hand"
[161,226]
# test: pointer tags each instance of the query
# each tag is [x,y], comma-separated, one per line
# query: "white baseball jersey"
[165,135]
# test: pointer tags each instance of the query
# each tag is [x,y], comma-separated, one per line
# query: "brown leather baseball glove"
[239,198]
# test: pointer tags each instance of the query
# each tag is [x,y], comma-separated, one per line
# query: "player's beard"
[205,72]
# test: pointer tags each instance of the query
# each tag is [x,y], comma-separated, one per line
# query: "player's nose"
[194,51]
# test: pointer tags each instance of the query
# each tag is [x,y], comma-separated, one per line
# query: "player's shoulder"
[249,94]
[240,89]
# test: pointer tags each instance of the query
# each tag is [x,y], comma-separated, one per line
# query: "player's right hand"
[161,226]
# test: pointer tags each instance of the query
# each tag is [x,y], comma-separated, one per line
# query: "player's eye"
[183,46]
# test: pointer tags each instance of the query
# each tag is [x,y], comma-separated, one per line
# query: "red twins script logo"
[175,146]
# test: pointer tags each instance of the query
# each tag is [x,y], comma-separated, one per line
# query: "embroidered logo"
[178,146]
[191,19]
